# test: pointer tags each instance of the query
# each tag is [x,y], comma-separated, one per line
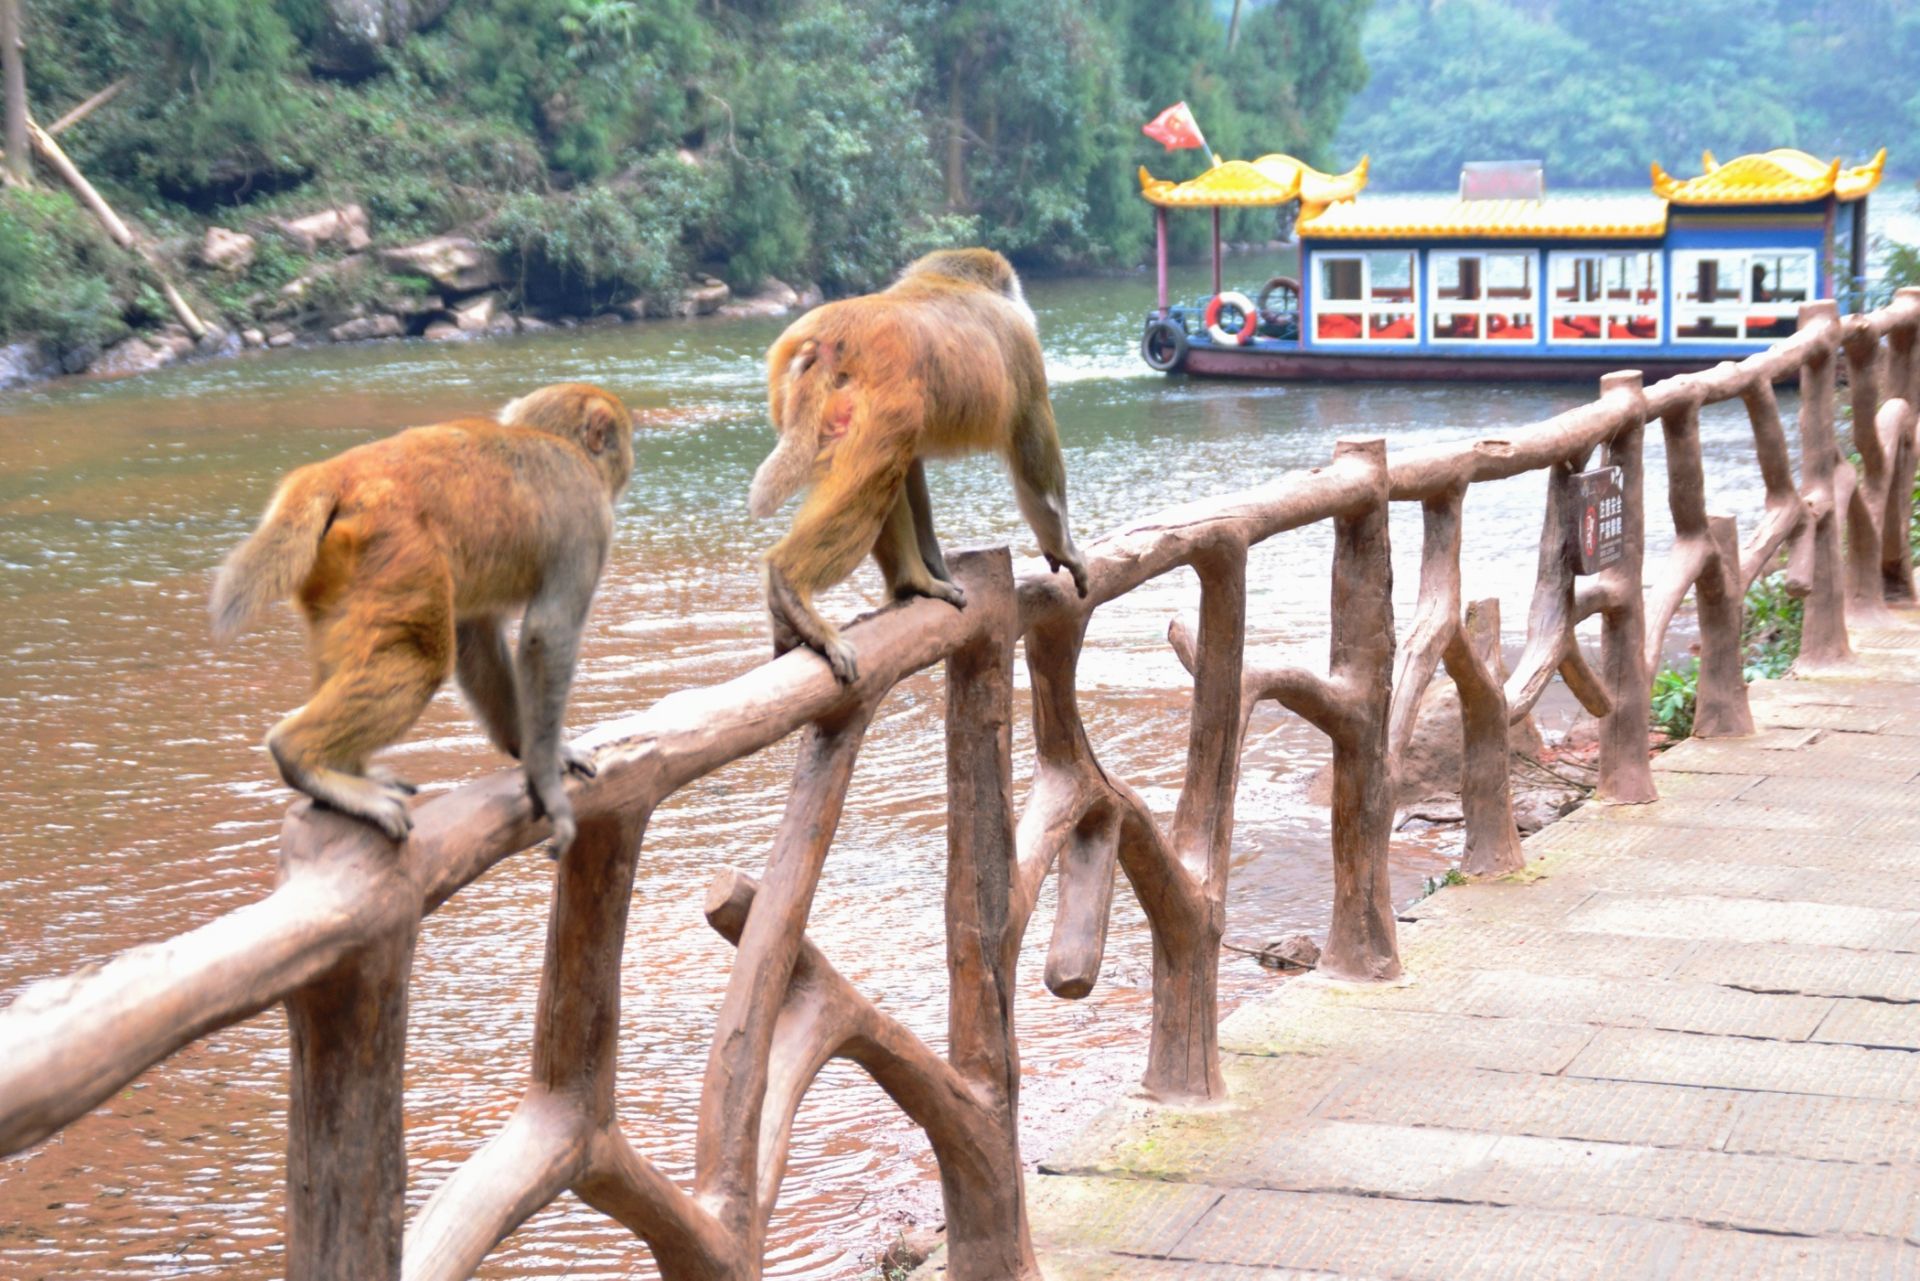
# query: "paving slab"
[1807,969]
[1554,1107]
[1821,1128]
[1424,1241]
[1611,1002]
[1681,1058]
[1683,1044]
[1453,947]
[1699,916]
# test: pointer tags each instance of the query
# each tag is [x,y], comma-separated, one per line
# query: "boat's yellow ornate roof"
[1436,218]
[1271,180]
[1316,189]
[1782,176]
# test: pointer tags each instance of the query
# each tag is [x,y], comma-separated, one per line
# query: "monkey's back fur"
[470,490]
[958,367]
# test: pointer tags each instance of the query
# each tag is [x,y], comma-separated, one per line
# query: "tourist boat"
[1505,281]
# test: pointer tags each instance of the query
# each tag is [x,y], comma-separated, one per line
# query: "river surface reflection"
[136,803]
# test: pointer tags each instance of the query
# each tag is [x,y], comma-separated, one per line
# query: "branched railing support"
[346,1153]
[1492,845]
[1471,650]
[987,1237]
[1626,774]
[1704,560]
[1823,635]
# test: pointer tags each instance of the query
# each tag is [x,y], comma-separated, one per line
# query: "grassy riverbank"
[604,155]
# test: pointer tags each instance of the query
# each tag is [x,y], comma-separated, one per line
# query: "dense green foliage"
[59,274]
[1599,88]
[612,147]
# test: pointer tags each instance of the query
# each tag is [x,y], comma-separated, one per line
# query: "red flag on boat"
[1175,129]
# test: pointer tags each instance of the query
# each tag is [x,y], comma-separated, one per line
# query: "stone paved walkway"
[1682,1045]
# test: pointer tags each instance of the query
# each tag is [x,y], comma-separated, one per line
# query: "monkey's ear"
[603,426]
[803,359]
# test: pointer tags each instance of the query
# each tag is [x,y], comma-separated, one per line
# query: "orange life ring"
[1249,319]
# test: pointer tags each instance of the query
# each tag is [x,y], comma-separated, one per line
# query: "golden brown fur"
[943,363]
[406,555]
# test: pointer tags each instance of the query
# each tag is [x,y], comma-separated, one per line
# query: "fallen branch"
[88,107]
[55,159]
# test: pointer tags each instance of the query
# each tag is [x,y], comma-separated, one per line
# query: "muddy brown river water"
[135,801]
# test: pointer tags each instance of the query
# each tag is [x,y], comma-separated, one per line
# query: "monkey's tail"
[276,557]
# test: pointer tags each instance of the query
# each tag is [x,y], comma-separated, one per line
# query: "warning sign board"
[1599,520]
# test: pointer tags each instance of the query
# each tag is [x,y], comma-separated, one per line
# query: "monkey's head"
[813,393]
[985,268]
[591,418]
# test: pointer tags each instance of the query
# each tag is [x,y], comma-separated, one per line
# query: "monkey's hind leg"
[549,647]
[902,562]
[378,675]
[484,665]
[921,509]
[840,522]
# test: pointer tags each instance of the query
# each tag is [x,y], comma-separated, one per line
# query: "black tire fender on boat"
[1164,345]
[1277,285]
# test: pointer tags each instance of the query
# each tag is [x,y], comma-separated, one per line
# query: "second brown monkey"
[408,556]
[945,362]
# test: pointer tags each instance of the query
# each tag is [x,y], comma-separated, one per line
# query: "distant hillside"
[1599,88]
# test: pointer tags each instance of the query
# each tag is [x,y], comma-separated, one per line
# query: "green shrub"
[60,277]
[1770,628]
[220,110]
[1675,692]
[602,245]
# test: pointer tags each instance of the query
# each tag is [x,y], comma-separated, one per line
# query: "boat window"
[1738,295]
[1364,297]
[1482,297]
[1602,296]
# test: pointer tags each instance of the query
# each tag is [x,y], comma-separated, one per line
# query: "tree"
[13,72]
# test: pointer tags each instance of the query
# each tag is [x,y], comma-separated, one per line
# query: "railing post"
[1626,775]
[987,1236]
[346,1156]
[1864,490]
[1492,843]
[1722,710]
[1361,941]
[1823,634]
[1902,384]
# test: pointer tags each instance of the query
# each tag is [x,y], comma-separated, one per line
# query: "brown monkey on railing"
[946,361]
[406,555]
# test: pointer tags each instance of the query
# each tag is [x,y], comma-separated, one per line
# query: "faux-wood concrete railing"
[334,941]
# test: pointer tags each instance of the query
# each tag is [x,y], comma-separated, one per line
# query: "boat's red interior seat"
[1336,326]
[1575,327]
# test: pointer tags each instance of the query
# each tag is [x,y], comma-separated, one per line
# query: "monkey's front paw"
[557,808]
[839,656]
[576,762]
[389,814]
[562,838]
[1074,567]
